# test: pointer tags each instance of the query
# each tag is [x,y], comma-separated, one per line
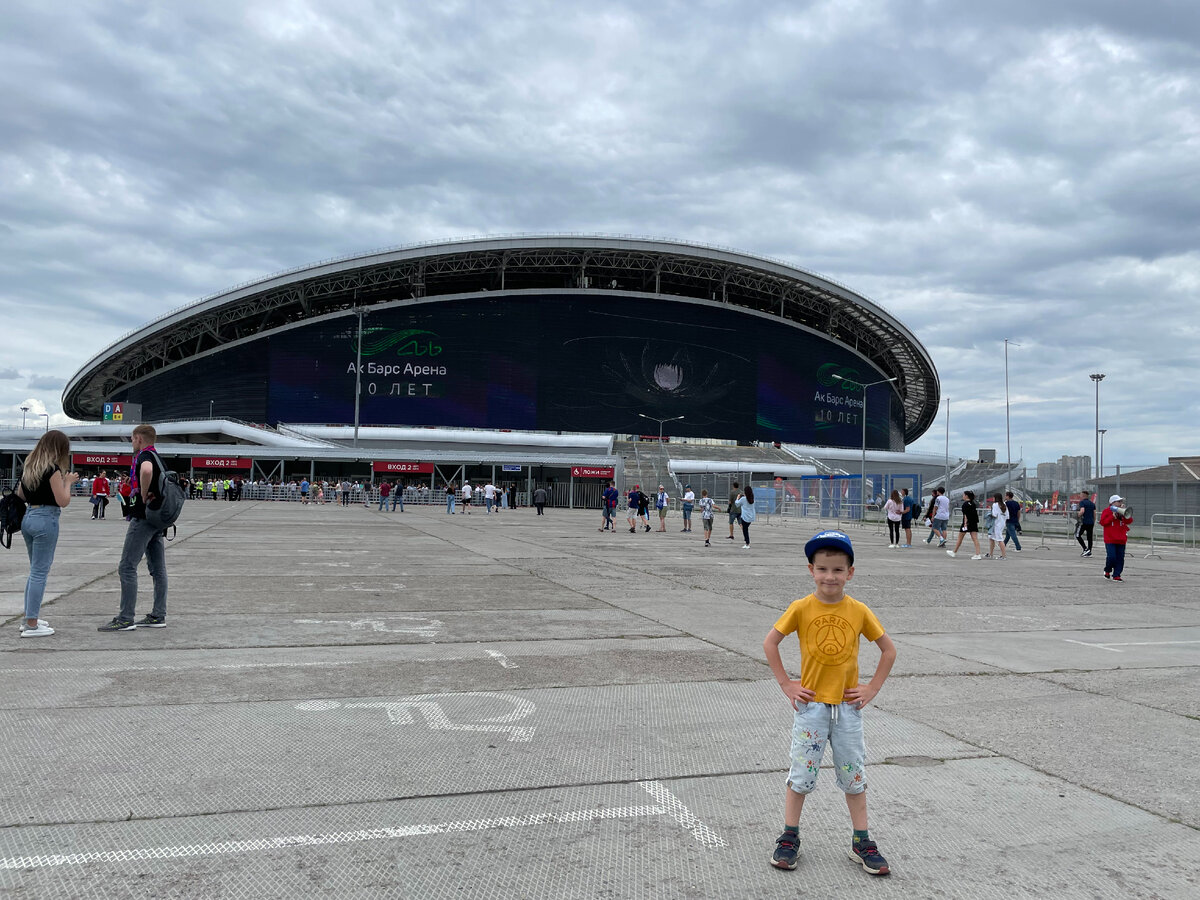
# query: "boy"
[706,515]
[828,700]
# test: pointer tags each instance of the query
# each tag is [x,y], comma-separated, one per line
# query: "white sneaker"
[43,630]
[745,546]
[891,546]
[40,622]
[976,556]
[951,554]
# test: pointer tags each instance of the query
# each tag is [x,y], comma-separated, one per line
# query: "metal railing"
[1174,533]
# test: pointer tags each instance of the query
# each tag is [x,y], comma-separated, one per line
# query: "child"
[828,700]
[706,515]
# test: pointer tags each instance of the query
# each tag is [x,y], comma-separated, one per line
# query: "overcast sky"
[1021,170]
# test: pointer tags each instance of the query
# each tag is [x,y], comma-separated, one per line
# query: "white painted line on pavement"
[313,840]
[683,815]
[668,805]
[430,629]
[1113,646]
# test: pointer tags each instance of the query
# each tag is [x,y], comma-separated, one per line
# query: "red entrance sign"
[592,472]
[407,468]
[101,459]
[219,462]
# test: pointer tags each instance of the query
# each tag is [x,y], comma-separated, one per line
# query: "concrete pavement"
[418,705]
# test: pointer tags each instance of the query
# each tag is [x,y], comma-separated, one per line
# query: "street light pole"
[47,415]
[850,385]
[1098,377]
[1101,431]
[24,409]
[660,424]
[1007,428]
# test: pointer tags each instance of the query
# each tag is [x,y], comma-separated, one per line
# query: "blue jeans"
[398,497]
[488,502]
[143,540]
[39,528]
[450,504]
[1114,558]
[383,502]
[1010,529]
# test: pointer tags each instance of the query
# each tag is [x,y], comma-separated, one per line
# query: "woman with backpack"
[746,514]
[46,489]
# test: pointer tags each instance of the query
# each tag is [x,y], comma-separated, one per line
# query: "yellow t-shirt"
[828,634]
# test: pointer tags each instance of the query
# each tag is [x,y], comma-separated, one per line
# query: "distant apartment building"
[1070,473]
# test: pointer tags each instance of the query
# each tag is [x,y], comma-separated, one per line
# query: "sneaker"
[43,630]
[152,622]
[941,543]
[976,556]
[1107,575]
[866,853]
[745,546]
[1117,578]
[1086,553]
[118,624]
[632,530]
[891,546]
[987,556]
[731,537]
[706,543]
[951,554]
[22,626]
[786,848]
[647,528]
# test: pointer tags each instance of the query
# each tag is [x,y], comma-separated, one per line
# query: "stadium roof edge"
[856,312]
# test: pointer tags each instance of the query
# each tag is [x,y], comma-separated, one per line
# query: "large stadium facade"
[536,333]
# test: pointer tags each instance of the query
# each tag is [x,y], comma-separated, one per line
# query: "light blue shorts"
[839,725]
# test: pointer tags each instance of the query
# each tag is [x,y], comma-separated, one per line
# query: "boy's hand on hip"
[860,696]
[797,693]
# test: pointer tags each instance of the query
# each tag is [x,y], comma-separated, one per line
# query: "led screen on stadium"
[580,363]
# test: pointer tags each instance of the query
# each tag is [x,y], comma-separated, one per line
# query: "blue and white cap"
[829,540]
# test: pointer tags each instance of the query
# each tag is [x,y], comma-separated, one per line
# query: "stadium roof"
[592,263]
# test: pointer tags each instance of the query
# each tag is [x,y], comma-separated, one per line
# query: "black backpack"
[164,511]
[12,511]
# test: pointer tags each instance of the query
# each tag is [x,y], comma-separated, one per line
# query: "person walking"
[998,514]
[660,503]
[689,503]
[608,502]
[894,509]
[1115,520]
[746,514]
[1012,527]
[45,486]
[929,513]
[99,495]
[910,509]
[540,497]
[706,515]
[970,525]
[643,509]
[734,493]
[1086,514]
[142,538]
[941,516]
[385,491]
[467,494]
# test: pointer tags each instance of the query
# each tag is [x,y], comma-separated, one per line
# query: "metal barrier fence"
[1173,533]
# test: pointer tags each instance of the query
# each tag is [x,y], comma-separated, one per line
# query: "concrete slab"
[1050,651]
[209,675]
[1112,746]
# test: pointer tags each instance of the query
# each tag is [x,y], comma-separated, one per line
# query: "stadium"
[539,354]
[550,333]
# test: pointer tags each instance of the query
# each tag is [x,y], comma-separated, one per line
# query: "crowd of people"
[740,509]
